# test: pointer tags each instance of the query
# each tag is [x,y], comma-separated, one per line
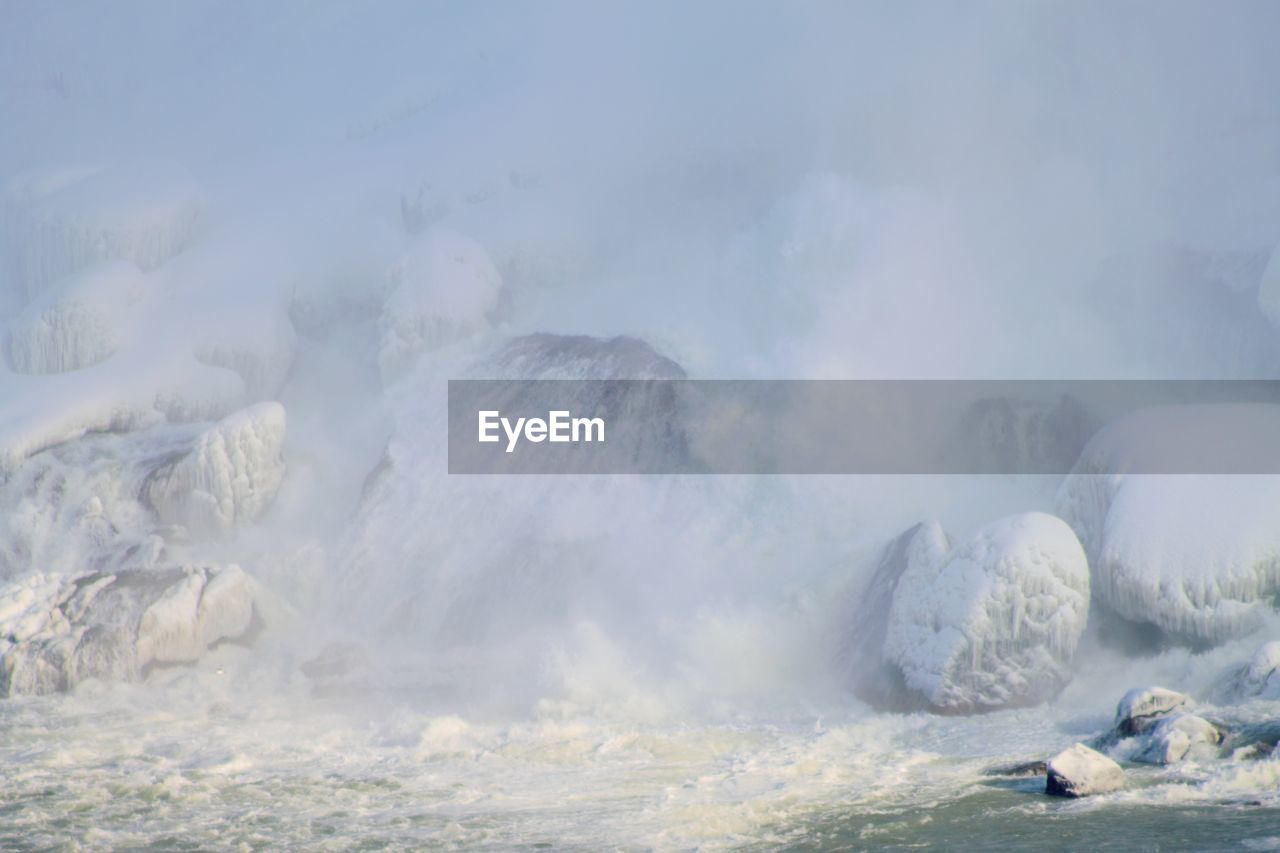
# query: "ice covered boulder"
[76,323]
[230,475]
[58,221]
[1197,556]
[874,680]
[1079,771]
[58,631]
[1142,708]
[1261,676]
[444,289]
[1176,736]
[993,622]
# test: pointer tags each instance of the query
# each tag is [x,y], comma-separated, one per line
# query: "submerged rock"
[1142,708]
[1079,771]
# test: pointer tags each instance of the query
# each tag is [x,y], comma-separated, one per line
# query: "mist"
[337,208]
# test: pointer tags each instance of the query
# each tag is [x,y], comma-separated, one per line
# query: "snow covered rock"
[230,475]
[1177,735]
[994,622]
[77,323]
[1196,556]
[445,287]
[873,680]
[1079,771]
[61,220]
[1143,707]
[58,631]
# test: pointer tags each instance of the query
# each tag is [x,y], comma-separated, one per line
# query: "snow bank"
[1079,771]
[1198,556]
[231,474]
[445,287]
[994,622]
[58,631]
[77,323]
[61,220]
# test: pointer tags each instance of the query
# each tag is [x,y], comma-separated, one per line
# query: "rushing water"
[239,753]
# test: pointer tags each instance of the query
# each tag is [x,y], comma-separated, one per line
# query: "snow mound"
[1197,556]
[1143,707]
[77,323]
[59,631]
[445,287]
[230,476]
[1079,771]
[994,622]
[61,220]
[1177,736]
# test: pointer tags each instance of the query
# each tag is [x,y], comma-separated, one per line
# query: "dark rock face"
[999,434]
[547,356]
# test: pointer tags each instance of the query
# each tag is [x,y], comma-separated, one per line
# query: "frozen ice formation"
[450,570]
[1178,735]
[1143,707]
[993,622]
[1261,676]
[58,631]
[1197,556]
[230,475]
[445,287]
[1079,771]
[77,323]
[873,679]
[61,220]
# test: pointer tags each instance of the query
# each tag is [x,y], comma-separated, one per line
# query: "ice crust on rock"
[61,220]
[993,622]
[1143,707]
[1176,736]
[1261,676]
[230,475]
[445,287]
[1079,771]
[77,323]
[58,631]
[1197,556]
[872,678]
